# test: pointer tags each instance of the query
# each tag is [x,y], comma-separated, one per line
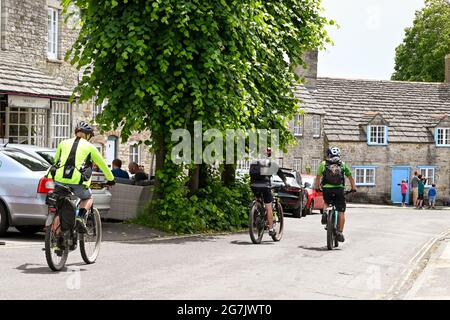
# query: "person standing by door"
[404,189]
[415,188]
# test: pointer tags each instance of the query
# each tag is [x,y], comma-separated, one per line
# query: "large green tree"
[421,56]
[163,64]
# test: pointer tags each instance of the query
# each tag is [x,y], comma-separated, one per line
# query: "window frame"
[370,135]
[60,130]
[426,168]
[315,163]
[52,33]
[445,137]
[297,167]
[317,125]
[243,164]
[132,154]
[365,170]
[299,120]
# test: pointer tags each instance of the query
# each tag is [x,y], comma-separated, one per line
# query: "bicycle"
[258,218]
[333,224]
[57,251]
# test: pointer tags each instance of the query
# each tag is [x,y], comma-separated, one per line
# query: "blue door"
[399,174]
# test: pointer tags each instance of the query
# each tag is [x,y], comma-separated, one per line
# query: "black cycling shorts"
[335,196]
[420,196]
[265,192]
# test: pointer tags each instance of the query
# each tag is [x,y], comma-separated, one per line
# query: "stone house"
[386,130]
[36,82]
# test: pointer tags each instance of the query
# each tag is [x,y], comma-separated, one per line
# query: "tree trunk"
[194,181]
[229,174]
[160,155]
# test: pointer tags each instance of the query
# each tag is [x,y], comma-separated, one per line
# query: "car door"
[318,198]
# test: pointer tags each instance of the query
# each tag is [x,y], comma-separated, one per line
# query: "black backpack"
[260,170]
[334,173]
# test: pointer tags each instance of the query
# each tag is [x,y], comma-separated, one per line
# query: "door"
[399,174]
[111,150]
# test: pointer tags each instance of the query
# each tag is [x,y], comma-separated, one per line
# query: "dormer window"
[377,135]
[442,137]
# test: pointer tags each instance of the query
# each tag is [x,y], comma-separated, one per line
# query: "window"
[27,160]
[442,136]
[428,173]
[60,122]
[314,165]
[52,46]
[365,176]
[243,164]
[316,126]
[99,147]
[134,153]
[26,125]
[97,108]
[298,125]
[280,162]
[297,165]
[377,135]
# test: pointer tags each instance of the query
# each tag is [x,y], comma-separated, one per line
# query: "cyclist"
[331,176]
[73,167]
[260,172]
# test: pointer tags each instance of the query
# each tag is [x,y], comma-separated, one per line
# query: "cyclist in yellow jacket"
[73,167]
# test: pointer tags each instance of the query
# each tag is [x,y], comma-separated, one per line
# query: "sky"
[370,30]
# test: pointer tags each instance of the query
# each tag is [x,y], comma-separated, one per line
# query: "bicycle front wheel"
[91,240]
[256,223]
[278,222]
[55,255]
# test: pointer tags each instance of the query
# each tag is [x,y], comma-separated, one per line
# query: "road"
[382,246]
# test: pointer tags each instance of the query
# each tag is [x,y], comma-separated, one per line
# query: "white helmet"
[333,152]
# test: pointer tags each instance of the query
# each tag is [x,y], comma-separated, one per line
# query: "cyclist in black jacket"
[261,171]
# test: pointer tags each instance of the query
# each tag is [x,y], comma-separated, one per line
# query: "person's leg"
[268,199]
[326,200]
[403,199]
[415,196]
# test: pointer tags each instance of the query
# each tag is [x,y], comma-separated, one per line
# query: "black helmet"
[85,128]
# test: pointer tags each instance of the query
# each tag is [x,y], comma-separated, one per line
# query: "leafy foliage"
[162,65]
[421,55]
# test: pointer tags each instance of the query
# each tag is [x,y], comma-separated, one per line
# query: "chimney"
[447,68]
[310,74]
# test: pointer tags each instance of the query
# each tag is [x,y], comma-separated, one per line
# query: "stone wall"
[24,26]
[306,147]
[395,154]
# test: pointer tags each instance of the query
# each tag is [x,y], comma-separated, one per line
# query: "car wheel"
[28,230]
[297,212]
[310,208]
[4,225]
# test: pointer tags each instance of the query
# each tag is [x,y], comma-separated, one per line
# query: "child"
[404,187]
[432,196]
[421,192]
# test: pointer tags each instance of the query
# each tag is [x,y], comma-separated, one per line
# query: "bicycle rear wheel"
[91,240]
[56,258]
[256,222]
[278,222]
[330,230]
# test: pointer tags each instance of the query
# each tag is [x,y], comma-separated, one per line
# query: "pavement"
[389,253]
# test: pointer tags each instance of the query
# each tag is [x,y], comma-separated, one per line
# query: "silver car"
[101,195]
[23,189]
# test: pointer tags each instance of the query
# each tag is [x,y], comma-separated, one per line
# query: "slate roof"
[18,76]
[307,102]
[410,108]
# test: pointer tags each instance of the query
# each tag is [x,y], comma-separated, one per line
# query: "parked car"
[294,196]
[315,198]
[23,189]
[101,195]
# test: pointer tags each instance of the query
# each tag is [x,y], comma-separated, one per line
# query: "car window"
[27,160]
[49,156]
[308,180]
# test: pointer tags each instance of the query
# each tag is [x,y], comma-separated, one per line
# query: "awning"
[20,78]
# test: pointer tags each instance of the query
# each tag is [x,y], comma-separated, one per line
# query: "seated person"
[117,171]
[138,173]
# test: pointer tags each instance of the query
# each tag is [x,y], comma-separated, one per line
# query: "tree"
[162,65]
[421,56]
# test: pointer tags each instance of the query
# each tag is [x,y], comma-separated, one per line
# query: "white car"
[101,195]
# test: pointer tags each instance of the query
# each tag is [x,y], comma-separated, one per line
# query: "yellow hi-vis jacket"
[84,150]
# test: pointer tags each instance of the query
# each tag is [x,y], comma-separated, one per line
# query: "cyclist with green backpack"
[331,176]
